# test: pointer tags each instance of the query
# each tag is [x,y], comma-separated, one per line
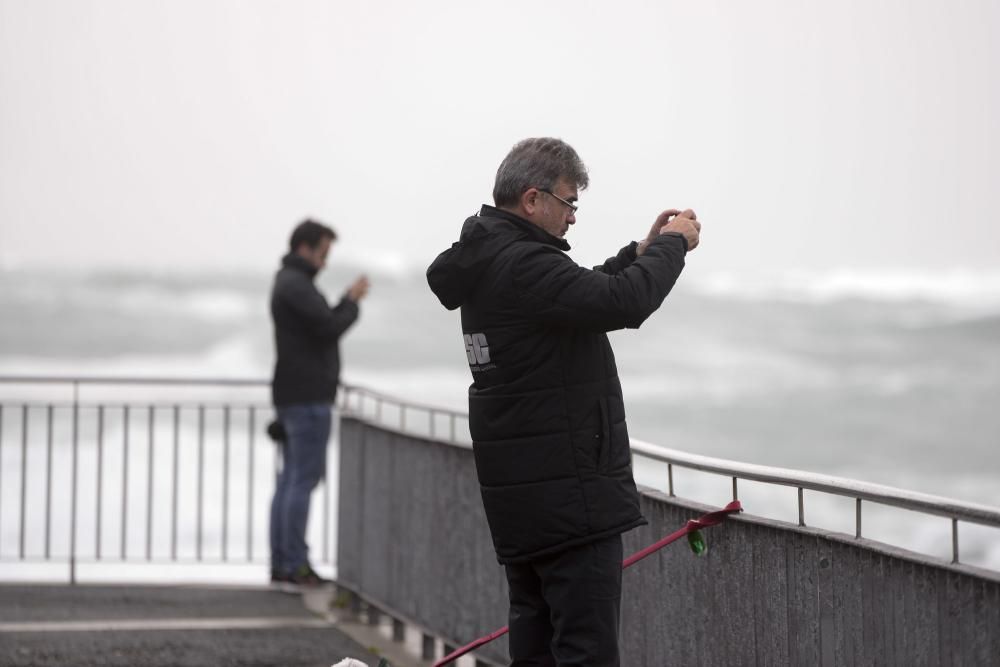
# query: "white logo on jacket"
[478,352]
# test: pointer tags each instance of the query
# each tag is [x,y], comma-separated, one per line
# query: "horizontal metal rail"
[41,404]
[355,390]
[354,400]
[127,380]
[840,486]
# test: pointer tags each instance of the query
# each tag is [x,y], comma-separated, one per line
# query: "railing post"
[331,522]
[48,480]
[1,475]
[72,521]
[24,476]
[670,479]
[802,509]
[125,443]
[251,436]
[173,484]
[427,647]
[225,483]
[857,527]
[100,480]
[201,479]
[735,494]
[355,605]
[954,540]
[151,448]
[374,615]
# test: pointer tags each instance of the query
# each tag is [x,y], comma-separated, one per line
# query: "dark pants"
[564,608]
[307,428]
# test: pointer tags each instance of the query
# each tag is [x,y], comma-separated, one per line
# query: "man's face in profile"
[554,213]
[316,256]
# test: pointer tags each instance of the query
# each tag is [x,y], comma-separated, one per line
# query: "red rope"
[705,521]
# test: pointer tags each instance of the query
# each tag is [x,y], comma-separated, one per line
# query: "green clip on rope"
[697,543]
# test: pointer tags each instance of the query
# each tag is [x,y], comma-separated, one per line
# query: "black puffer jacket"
[545,406]
[306,335]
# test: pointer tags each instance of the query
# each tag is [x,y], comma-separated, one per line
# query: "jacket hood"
[455,273]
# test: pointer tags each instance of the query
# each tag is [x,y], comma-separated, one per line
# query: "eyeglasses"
[572,207]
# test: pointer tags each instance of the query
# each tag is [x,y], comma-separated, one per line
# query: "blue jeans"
[307,427]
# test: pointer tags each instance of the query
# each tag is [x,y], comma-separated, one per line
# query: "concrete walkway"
[129,625]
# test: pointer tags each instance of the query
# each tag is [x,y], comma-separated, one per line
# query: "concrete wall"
[413,538]
[412,535]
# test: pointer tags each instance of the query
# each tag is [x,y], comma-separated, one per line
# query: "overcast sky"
[194,134]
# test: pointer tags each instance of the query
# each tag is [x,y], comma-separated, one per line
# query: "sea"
[891,377]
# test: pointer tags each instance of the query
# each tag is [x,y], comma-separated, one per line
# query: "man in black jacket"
[307,332]
[545,406]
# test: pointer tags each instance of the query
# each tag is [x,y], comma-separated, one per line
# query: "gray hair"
[537,163]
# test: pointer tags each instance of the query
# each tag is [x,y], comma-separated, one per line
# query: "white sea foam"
[213,304]
[961,287]
[232,357]
[384,263]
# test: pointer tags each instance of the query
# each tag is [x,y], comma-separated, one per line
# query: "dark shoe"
[283,582]
[305,577]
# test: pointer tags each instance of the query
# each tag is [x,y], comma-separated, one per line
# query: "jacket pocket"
[605,437]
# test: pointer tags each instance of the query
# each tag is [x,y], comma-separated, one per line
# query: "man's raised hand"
[358,290]
[673,220]
[686,223]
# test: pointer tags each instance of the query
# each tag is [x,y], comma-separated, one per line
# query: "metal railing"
[838,486]
[423,420]
[142,503]
[371,406]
